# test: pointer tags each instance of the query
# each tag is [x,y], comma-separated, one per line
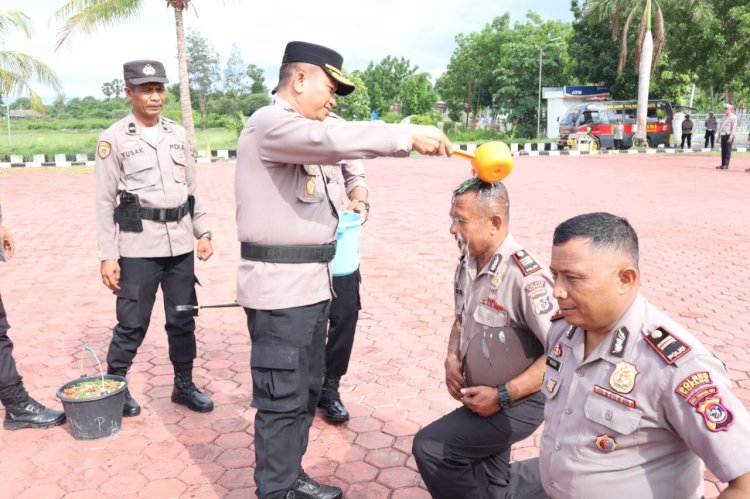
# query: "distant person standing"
[687,132]
[619,135]
[726,132]
[710,129]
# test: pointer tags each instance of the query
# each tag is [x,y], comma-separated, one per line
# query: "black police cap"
[140,72]
[329,60]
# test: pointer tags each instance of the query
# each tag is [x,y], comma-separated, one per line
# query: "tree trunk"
[202,107]
[185,108]
[644,80]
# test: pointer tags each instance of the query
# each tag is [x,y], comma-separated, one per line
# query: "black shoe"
[130,407]
[186,393]
[747,169]
[22,411]
[330,401]
[307,488]
[722,167]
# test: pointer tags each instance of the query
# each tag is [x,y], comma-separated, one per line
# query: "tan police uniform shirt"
[634,419]
[281,197]
[162,175]
[711,123]
[512,295]
[342,179]
[728,124]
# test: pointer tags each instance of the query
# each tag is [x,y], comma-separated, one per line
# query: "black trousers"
[139,280]
[618,144]
[342,324]
[689,138]
[8,373]
[710,136]
[464,455]
[286,363]
[726,150]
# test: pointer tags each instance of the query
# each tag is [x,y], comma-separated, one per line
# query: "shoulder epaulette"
[557,315]
[526,262]
[167,119]
[666,344]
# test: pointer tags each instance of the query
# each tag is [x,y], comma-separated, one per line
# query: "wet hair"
[494,197]
[603,231]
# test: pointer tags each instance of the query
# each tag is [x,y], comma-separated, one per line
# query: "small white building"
[560,99]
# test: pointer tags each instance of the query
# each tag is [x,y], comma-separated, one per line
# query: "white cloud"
[423,31]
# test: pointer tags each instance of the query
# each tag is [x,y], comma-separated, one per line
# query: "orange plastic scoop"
[492,161]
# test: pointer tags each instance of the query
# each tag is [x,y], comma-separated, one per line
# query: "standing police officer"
[146,187]
[710,129]
[503,308]
[726,134]
[286,223]
[635,404]
[21,411]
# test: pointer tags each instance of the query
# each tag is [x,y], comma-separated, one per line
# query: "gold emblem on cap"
[623,377]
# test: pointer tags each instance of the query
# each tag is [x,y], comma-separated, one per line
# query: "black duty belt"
[303,253]
[165,214]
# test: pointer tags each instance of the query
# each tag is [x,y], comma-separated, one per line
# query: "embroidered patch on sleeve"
[693,381]
[103,148]
[715,415]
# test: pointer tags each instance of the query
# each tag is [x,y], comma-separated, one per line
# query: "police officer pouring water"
[149,215]
[286,224]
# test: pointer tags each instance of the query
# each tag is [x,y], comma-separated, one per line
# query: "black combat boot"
[22,411]
[307,488]
[130,407]
[330,401]
[186,393]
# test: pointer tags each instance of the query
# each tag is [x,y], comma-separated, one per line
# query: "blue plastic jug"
[346,260]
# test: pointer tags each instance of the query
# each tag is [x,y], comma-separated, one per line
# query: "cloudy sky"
[423,31]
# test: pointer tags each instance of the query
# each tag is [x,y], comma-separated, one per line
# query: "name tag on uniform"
[553,363]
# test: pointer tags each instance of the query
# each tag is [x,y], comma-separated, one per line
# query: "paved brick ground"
[694,226]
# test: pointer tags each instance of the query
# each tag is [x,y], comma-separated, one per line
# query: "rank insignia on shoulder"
[557,315]
[103,149]
[526,262]
[620,399]
[131,128]
[667,345]
[693,381]
[605,443]
[570,332]
[619,341]
[494,263]
[715,415]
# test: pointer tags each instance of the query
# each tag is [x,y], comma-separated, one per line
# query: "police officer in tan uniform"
[504,304]
[149,216]
[726,135]
[21,411]
[635,403]
[348,190]
[286,224]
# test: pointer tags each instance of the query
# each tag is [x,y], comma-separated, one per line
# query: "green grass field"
[72,142]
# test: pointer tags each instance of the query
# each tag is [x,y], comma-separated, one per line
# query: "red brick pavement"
[693,222]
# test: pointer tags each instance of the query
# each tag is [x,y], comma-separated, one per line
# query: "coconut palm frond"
[642,28]
[87,16]
[659,37]
[698,9]
[13,20]
[18,71]
[624,41]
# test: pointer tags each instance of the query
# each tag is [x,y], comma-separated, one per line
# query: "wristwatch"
[206,234]
[504,399]
[364,202]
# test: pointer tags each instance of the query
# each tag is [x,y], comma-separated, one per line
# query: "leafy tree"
[356,105]
[19,71]
[384,80]
[259,81]
[89,15]
[235,77]
[203,70]
[112,88]
[417,95]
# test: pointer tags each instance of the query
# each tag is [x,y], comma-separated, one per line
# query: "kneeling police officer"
[148,216]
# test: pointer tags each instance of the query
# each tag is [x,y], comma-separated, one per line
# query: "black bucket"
[97,417]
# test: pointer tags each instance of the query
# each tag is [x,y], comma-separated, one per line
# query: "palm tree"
[648,45]
[18,70]
[89,15]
